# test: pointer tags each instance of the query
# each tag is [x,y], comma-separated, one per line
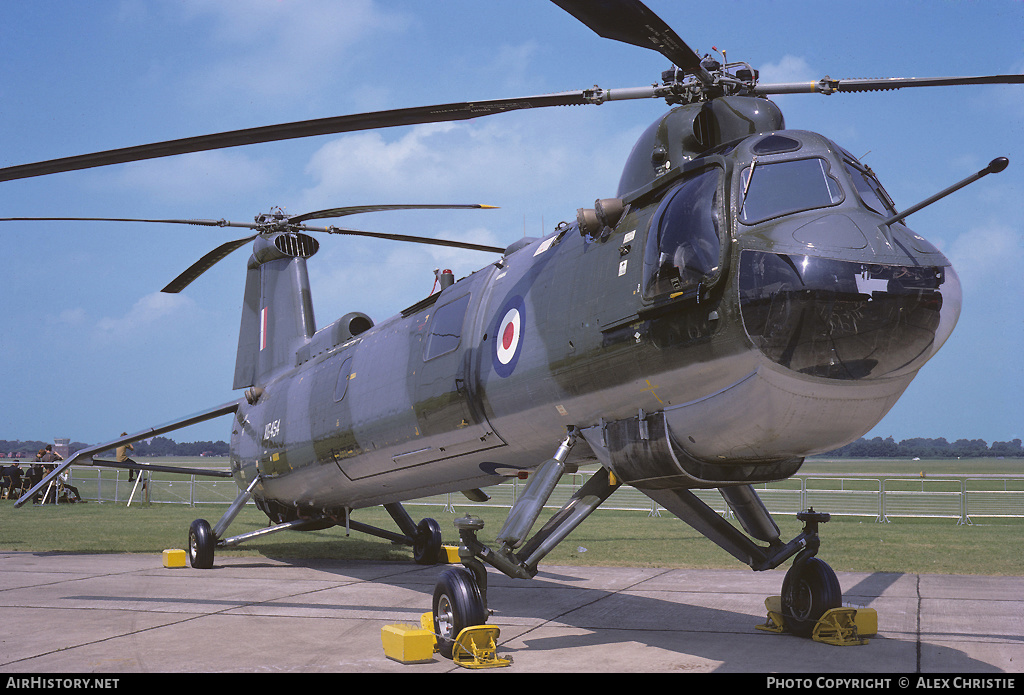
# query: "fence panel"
[994,497]
[844,496]
[923,497]
[880,498]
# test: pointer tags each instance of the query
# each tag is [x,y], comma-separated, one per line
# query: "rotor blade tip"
[997,165]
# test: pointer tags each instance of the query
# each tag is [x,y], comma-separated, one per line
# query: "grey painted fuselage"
[795,338]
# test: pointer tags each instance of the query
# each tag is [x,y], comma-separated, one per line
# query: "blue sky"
[89,346]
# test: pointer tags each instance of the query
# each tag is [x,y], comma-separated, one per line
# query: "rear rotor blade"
[358,209]
[632,22]
[298,129]
[210,259]
[404,237]
[205,263]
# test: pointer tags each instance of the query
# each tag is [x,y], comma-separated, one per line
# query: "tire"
[457,605]
[809,590]
[426,546]
[201,544]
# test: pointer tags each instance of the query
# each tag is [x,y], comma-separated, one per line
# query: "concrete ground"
[70,613]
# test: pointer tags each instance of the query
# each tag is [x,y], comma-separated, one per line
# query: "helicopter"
[738,263]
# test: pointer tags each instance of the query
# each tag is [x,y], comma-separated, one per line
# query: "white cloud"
[788,69]
[380,278]
[196,177]
[68,318]
[513,63]
[149,311]
[482,160]
[286,49]
[988,256]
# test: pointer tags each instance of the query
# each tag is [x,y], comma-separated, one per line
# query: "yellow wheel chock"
[476,647]
[841,627]
[838,626]
[774,622]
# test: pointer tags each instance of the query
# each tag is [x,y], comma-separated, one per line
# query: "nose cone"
[846,320]
[841,341]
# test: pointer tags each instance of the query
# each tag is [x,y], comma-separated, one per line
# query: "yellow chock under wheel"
[841,627]
[475,646]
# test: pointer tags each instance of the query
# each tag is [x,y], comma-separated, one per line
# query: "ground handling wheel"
[426,546]
[201,543]
[809,589]
[457,605]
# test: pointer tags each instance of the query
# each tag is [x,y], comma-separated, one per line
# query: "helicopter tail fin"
[277,311]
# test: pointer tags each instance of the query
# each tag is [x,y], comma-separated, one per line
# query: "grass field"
[933,468]
[609,538]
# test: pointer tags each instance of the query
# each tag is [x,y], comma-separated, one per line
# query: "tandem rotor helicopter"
[749,297]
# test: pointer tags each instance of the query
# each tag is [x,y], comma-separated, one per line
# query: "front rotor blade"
[205,263]
[298,129]
[630,21]
[198,223]
[358,209]
[829,86]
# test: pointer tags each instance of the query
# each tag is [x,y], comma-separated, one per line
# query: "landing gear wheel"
[426,545]
[457,605]
[201,543]
[809,589]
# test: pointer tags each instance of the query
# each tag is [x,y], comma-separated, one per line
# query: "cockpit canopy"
[782,179]
[684,244]
[823,291]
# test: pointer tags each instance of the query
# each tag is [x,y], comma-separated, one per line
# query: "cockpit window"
[780,188]
[683,245]
[775,144]
[869,189]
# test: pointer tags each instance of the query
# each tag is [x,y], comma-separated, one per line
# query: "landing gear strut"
[810,587]
[425,537]
[460,597]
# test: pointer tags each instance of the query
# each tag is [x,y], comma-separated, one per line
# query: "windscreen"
[780,188]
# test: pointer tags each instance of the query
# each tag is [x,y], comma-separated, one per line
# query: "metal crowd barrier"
[880,498]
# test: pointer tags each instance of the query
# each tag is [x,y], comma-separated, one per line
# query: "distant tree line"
[157,446]
[162,446]
[927,448]
[862,448]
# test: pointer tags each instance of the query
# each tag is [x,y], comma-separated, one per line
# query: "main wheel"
[809,590]
[201,543]
[457,605]
[426,546]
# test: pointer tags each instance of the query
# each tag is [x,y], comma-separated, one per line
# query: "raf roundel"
[508,337]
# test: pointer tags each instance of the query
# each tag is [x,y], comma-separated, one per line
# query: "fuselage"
[751,298]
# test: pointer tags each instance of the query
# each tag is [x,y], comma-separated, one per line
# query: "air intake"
[296,245]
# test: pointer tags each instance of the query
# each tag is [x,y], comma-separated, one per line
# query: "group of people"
[15,481]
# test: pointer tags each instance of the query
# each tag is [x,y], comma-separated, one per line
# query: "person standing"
[49,459]
[122,457]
